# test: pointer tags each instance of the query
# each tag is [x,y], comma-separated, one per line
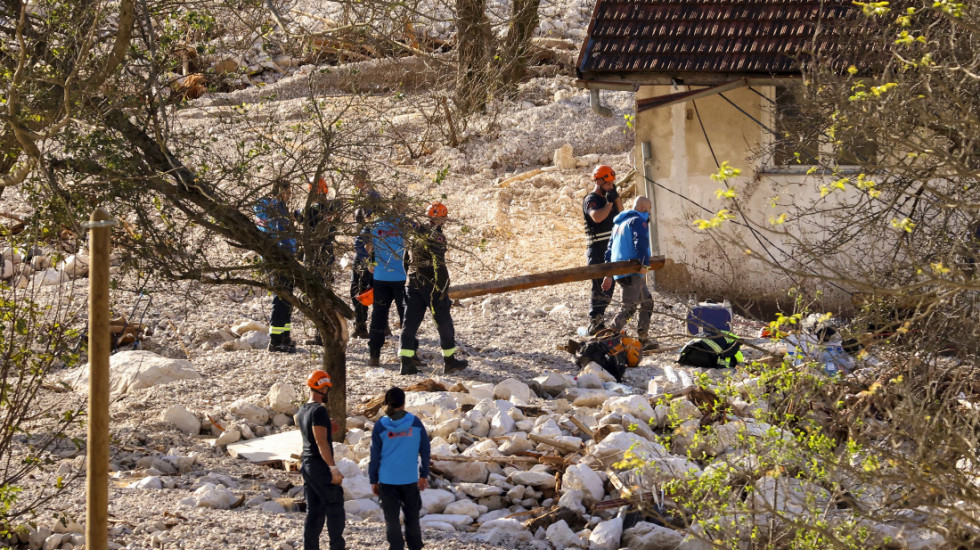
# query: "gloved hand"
[612,195]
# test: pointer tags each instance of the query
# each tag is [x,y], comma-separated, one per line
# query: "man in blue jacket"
[397,475]
[388,271]
[272,216]
[631,241]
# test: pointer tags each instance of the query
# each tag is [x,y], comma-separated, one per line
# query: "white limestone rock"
[479,490]
[635,405]
[463,507]
[502,424]
[650,536]
[563,158]
[434,501]
[606,535]
[554,383]
[580,476]
[358,487]
[148,482]
[183,419]
[210,495]
[255,339]
[227,437]
[611,449]
[74,266]
[591,398]
[515,390]
[561,536]
[533,479]
[516,442]
[435,525]
[363,508]
[136,369]
[247,410]
[427,404]
[456,520]
[283,397]
[786,495]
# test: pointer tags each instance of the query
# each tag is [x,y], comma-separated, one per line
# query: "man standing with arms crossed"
[321,479]
[599,208]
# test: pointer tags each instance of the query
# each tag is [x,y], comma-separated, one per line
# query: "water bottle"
[582,331]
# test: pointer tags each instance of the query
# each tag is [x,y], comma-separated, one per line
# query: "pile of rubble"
[35,267]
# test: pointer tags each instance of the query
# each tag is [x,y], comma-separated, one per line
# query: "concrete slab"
[271,447]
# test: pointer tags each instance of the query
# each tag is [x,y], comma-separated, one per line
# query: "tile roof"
[631,38]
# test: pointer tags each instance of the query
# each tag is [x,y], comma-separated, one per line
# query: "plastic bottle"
[582,331]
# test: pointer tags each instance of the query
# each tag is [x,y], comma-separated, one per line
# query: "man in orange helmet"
[428,286]
[600,207]
[321,479]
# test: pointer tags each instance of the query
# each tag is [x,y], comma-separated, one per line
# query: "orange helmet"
[322,186]
[319,380]
[604,172]
[437,210]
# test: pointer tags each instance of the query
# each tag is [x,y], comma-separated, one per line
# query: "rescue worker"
[361,278]
[599,208]
[389,277]
[320,221]
[272,215]
[321,478]
[428,286]
[399,470]
[631,241]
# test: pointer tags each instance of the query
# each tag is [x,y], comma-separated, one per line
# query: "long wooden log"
[547,278]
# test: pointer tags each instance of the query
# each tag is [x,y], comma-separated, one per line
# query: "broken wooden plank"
[582,427]
[567,447]
[548,278]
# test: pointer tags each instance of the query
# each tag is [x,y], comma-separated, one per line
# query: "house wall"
[713,263]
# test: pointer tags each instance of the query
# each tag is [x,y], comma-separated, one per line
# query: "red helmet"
[604,172]
[319,380]
[437,210]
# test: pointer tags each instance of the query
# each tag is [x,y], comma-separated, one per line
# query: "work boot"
[360,331]
[647,343]
[454,363]
[375,358]
[596,325]
[410,365]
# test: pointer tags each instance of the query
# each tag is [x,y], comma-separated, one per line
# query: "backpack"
[712,353]
[613,351]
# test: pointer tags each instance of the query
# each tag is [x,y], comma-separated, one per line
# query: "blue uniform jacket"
[630,239]
[273,218]
[396,446]
[389,252]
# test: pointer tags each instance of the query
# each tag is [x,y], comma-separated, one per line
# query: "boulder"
[248,411]
[612,449]
[6,270]
[137,369]
[501,424]
[479,490]
[362,507]
[650,536]
[463,508]
[588,381]
[554,383]
[434,501]
[429,403]
[786,495]
[210,495]
[512,389]
[606,535]
[229,436]
[481,391]
[183,419]
[580,476]
[282,396]
[476,472]
[49,277]
[635,405]
[281,420]
[561,536]
[563,158]
[533,479]
[358,487]
[596,369]
[255,339]
[74,266]
[434,525]
[506,532]
[272,507]
[516,442]
[148,482]
[588,397]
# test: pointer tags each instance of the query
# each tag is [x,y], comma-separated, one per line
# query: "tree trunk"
[335,363]
[474,51]
[524,19]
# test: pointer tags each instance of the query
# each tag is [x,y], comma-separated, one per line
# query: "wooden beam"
[534,280]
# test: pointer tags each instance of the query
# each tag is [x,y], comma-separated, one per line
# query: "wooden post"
[99,346]
[570,275]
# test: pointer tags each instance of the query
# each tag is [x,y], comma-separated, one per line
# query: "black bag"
[602,350]
[711,353]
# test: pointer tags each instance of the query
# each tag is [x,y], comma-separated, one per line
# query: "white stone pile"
[35,267]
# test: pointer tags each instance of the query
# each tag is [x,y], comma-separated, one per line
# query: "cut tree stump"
[548,278]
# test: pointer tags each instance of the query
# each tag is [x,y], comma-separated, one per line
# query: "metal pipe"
[596,104]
